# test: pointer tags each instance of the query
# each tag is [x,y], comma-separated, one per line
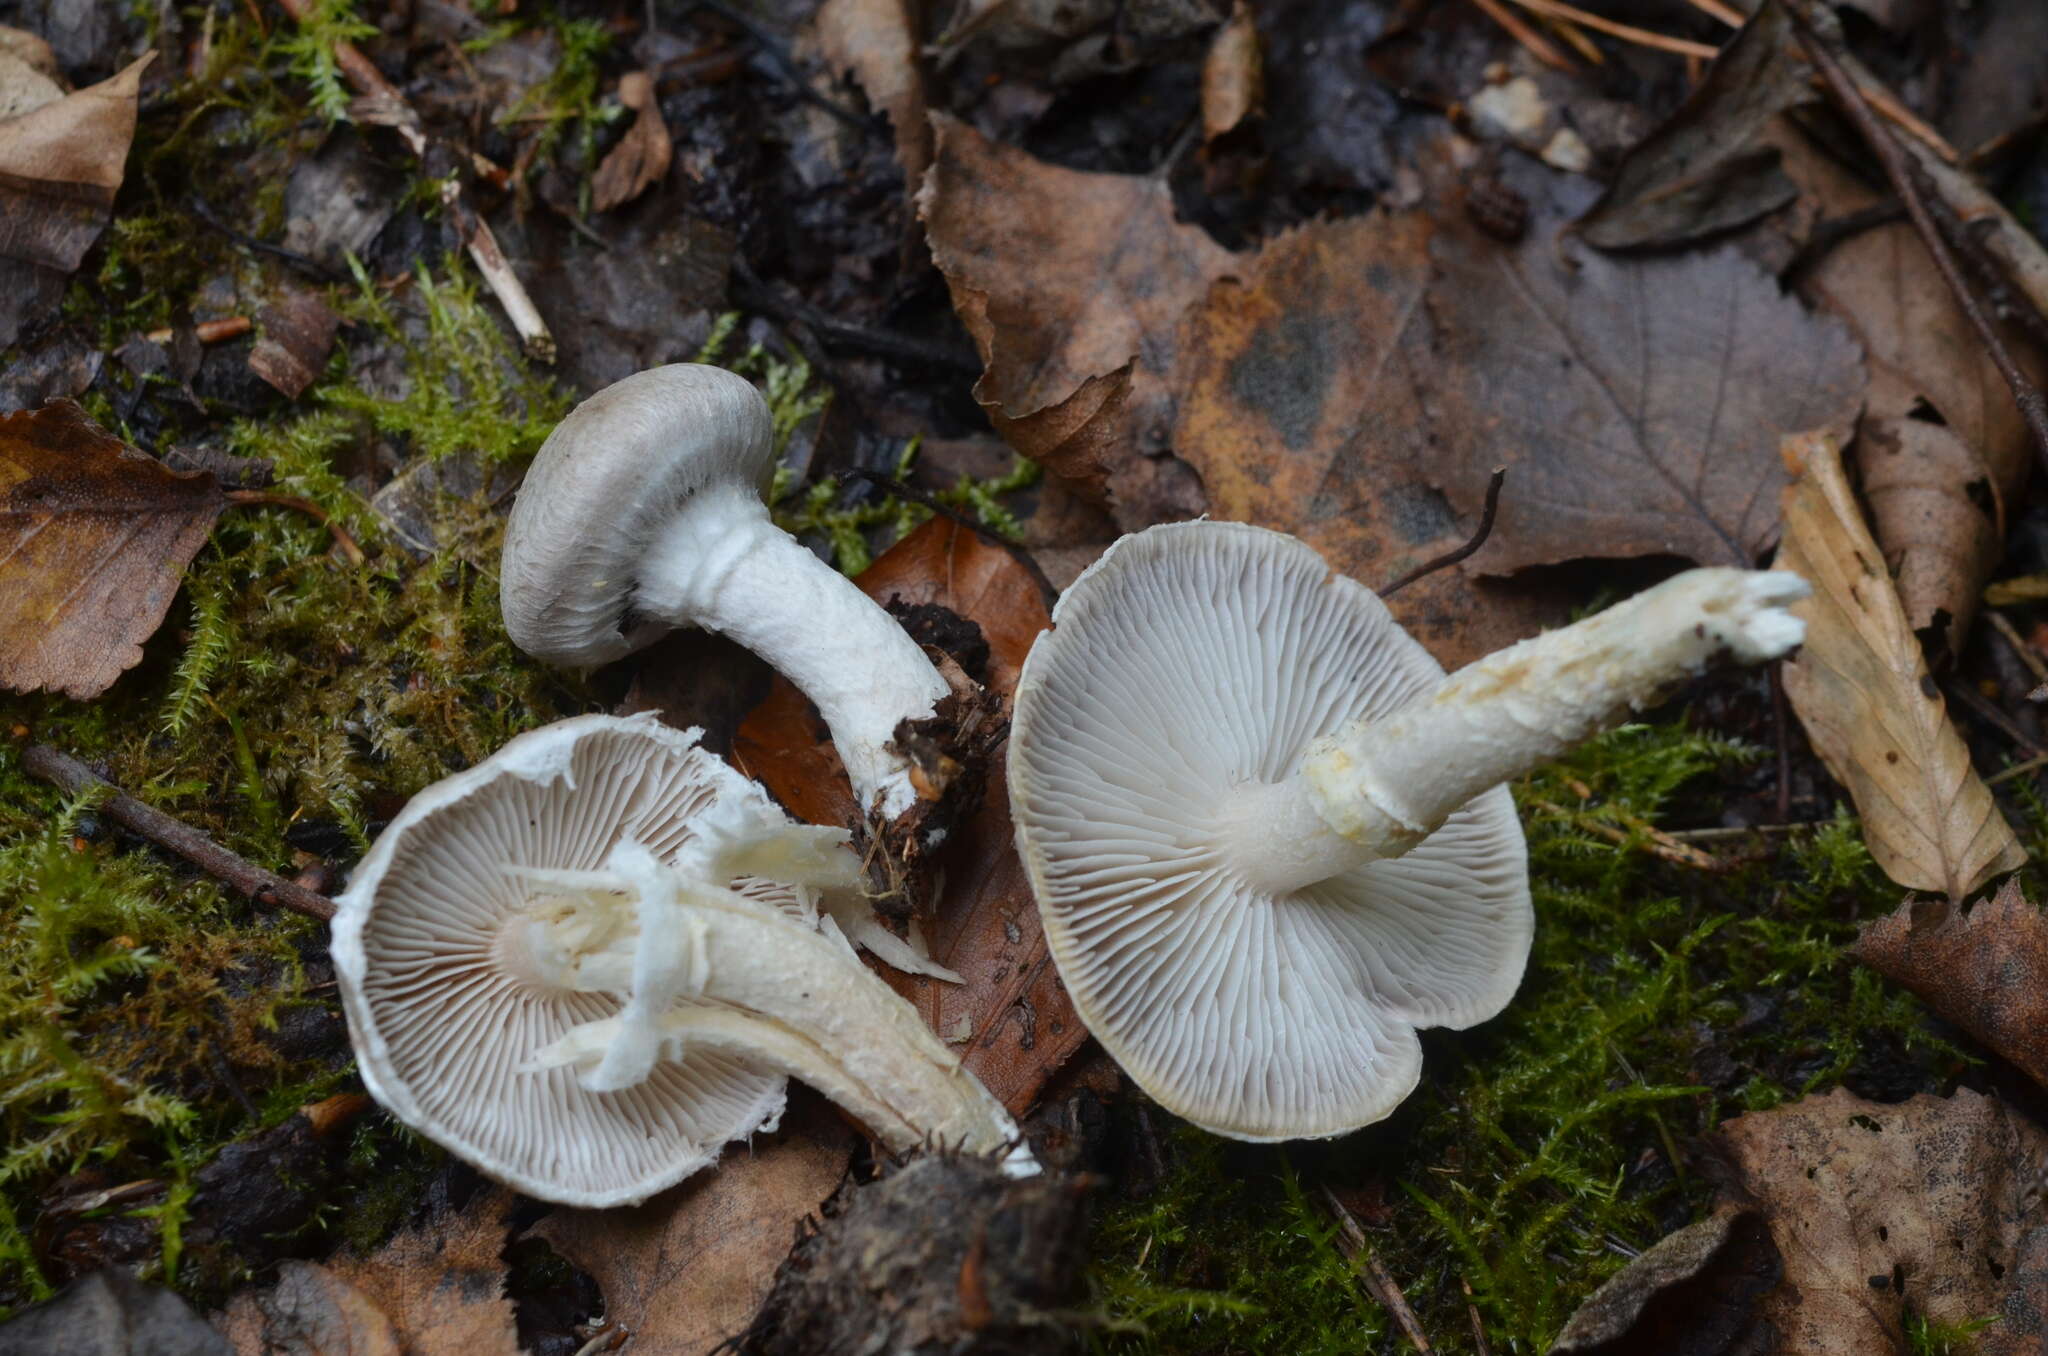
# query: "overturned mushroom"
[643,513]
[1269,837]
[586,963]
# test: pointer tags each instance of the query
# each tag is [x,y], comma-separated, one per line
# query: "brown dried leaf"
[1301,407]
[1929,1208]
[436,1290]
[1063,279]
[94,537]
[1636,402]
[1863,692]
[1692,1294]
[1986,971]
[642,156]
[60,164]
[1942,443]
[687,1269]
[1233,74]
[1011,1020]
[297,335]
[874,43]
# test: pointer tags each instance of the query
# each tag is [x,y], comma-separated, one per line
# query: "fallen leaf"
[434,1290]
[1985,970]
[110,1313]
[29,75]
[1710,167]
[94,537]
[1943,446]
[1301,407]
[1233,75]
[1692,1294]
[686,1270]
[641,158]
[1929,1208]
[1862,690]
[60,165]
[297,334]
[1636,402]
[1011,1021]
[874,44]
[1064,279]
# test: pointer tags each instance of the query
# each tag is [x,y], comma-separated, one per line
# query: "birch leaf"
[1863,692]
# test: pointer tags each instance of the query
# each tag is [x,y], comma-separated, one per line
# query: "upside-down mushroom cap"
[608,478]
[1191,660]
[445,1014]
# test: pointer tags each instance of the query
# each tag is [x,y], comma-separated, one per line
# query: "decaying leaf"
[296,335]
[1233,74]
[29,75]
[1985,970]
[434,1290]
[110,1313]
[1863,692]
[874,44]
[641,158]
[1302,407]
[1693,1294]
[1710,167]
[1943,447]
[60,164]
[1011,1020]
[1636,402]
[686,1270]
[94,537]
[1063,280]
[1930,1208]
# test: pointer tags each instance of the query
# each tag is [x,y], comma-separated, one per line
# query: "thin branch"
[1538,46]
[1984,710]
[1500,474]
[1641,37]
[1379,1282]
[343,542]
[1657,842]
[1907,185]
[265,887]
[1727,14]
[1472,1312]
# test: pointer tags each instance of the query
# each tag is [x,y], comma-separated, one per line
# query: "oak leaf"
[1985,970]
[1862,690]
[1930,1209]
[94,537]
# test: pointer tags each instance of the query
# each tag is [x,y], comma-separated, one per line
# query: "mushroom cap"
[1192,659]
[612,473]
[443,1015]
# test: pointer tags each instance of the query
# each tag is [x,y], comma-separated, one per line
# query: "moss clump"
[1548,1145]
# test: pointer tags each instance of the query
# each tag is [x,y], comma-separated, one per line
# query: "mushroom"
[586,963]
[1270,839]
[643,512]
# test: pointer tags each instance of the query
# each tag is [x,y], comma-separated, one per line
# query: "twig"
[1781,735]
[396,113]
[1472,1312]
[2017,770]
[750,293]
[1994,717]
[1538,46]
[2020,648]
[1642,37]
[1570,34]
[1969,247]
[265,887]
[207,331]
[343,542]
[1427,567]
[1897,168]
[1727,14]
[1658,843]
[779,57]
[1717,834]
[1379,1282]
[197,207]
[890,485]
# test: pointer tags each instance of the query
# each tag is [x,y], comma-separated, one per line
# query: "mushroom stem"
[768,990]
[722,564]
[1376,788]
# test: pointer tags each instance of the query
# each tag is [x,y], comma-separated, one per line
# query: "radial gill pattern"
[1191,660]
[442,1025]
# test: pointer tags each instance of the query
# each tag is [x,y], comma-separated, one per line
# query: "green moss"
[1546,1146]
[309,47]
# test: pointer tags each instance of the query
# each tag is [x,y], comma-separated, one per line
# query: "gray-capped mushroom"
[587,963]
[643,513]
[1270,839]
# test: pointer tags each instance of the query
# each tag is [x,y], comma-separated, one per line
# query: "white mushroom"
[586,963]
[1270,839]
[643,512]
